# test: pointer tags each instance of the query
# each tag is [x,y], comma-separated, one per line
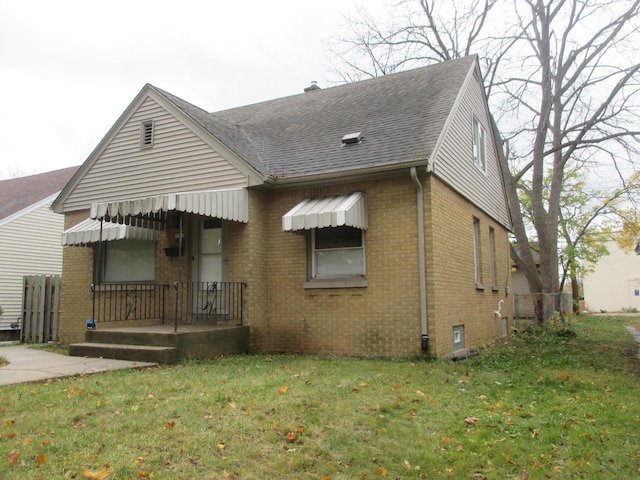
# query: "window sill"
[337,283]
[495,288]
[479,286]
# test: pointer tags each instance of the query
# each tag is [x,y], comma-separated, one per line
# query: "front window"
[128,261]
[337,252]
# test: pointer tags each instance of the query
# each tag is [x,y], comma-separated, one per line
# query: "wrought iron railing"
[209,303]
[131,301]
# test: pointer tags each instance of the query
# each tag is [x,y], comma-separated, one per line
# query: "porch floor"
[161,344]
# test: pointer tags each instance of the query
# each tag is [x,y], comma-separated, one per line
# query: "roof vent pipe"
[314,86]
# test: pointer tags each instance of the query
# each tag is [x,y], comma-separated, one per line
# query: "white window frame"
[479,147]
[314,256]
[106,273]
[477,257]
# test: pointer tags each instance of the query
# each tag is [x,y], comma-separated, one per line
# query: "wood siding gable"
[183,157]
[452,159]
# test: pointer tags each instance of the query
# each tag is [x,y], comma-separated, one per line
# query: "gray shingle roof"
[400,117]
[19,193]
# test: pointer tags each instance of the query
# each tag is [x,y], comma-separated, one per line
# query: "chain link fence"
[533,308]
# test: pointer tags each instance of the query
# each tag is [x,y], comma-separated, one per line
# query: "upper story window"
[477,260]
[479,145]
[146,134]
[337,252]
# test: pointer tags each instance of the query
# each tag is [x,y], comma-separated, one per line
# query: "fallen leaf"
[101,474]
[412,415]
[471,420]
[170,424]
[381,471]
[26,441]
[221,446]
[448,440]
[13,457]
[282,390]
[420,393]
[291,437]
[41,459]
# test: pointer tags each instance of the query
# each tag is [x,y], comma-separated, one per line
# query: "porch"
[165,324]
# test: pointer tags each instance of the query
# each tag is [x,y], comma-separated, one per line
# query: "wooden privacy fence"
[40,308]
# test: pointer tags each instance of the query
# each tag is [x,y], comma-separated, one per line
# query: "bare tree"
[562,81]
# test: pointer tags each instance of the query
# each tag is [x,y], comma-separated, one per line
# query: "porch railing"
[195,303]
[209,303]
[119,302]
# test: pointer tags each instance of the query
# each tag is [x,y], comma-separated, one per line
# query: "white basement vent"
[351,138]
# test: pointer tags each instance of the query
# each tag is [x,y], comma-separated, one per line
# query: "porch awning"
[330,211]
[225,204]
[88,231]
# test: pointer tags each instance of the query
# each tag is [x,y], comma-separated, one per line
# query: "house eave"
[342,177]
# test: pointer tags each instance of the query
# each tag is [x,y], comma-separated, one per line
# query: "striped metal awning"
[88,232]
[226,204]
[329,211]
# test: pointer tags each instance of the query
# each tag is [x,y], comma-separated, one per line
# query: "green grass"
[560,404]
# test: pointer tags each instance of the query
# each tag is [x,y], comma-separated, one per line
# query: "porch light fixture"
[351,138]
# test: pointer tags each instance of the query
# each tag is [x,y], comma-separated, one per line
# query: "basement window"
[458,338]
[146,134]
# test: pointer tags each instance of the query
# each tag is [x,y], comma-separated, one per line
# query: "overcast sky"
[69,68]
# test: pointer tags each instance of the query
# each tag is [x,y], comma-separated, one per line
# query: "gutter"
[421,262]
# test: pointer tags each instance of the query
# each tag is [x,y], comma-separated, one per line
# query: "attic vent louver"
[351,138]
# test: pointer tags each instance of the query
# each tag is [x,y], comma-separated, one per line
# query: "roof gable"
[183,157]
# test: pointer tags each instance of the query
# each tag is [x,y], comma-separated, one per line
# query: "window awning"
[330,211]
[88,231]
[225,204]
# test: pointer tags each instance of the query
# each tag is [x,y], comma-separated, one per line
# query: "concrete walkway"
[36,365]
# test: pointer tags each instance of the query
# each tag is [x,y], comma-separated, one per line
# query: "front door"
[210,251]
[208,297]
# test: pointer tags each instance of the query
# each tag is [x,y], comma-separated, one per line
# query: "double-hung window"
[337,252]
[477,258]
[479,146]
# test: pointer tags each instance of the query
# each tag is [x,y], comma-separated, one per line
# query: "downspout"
[421,261]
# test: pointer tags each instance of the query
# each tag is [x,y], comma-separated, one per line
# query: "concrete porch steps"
[162,344]
[138,353]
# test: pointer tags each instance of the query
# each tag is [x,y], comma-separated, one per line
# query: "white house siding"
[615,282]
[179,161]
[29,245]
[454,157]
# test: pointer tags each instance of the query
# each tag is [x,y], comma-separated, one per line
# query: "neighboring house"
[614,283]
[29,235]
[363,219]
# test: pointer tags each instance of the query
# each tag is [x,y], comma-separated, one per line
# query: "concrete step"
[138,353]
[131,337]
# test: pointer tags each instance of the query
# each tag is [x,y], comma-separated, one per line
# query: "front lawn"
[558,405]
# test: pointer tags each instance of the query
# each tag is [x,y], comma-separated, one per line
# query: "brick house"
[363,219]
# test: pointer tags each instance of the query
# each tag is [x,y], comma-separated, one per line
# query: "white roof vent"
[351,138]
